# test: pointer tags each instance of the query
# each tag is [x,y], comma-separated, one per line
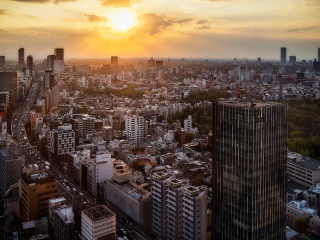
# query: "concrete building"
[188,124]
[35,192]
[298,209]
[130,202]
[283,53]
[50,61]
[21,62]
[61,142]
[194,213]
[10,81]
[107,133]
[303,170]
[173,210]
[114,60]
[102,169]
[10,168]
[98,223]
[59,53]
[58,66]
[63,223]
[134,128]
[159,193]
[2,62]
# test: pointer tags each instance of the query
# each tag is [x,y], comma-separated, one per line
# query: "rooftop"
[66,214]
[132,190]
[98,213]
[310,164]
[247,103]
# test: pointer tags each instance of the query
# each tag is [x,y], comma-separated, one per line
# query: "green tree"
[198,181]
[300,225]
[189,137]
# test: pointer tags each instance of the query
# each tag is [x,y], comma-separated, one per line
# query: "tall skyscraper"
[21,62]
[11,81]
[2,62]
[50,61]
[318,54]
[59,53]
[293,59]
[249,171]
[283,55]
[30,63]
[114,60]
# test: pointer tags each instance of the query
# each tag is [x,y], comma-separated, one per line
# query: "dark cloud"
[302,29]
[4,11]
[183,20]
[201,21]
[116,3]
[204,27]
[95,18]
[154,23]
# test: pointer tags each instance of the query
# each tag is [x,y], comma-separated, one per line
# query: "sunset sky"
[160,28]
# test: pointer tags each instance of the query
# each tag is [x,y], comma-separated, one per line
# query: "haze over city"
[140,28]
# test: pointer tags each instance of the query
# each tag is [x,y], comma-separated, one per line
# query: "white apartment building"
[134,128]
[102,169]
[194,214]
[174,208]
[98,223]
[188,124]
[303,170]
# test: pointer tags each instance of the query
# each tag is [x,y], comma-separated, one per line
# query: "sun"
[123,21]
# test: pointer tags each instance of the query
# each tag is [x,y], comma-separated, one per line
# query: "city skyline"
[192,28]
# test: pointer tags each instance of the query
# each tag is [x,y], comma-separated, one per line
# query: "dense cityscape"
[159,120]
[144,148]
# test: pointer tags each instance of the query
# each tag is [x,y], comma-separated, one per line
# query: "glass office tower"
[249,170]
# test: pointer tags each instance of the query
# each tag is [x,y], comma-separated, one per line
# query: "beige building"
[35,192]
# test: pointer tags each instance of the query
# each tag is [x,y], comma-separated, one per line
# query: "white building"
[58,66]
[188,124]
[102,169]
[303,170]
[98,223]
[194,216]
[134,128]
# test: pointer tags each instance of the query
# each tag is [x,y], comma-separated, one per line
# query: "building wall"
[34,197]
[249,173]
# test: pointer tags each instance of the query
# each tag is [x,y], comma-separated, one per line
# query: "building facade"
[283,52]
[249,173]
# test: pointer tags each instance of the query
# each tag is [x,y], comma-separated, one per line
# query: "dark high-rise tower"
[318,54]
[59,52]
[114,60]
[249,170]
[2,62]
[50,61]
[283,55]
[21,58]
[30,63]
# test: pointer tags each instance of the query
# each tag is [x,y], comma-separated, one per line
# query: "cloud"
[95,18]
[116,3]
[33,1]
[183,20]
[302,29]
[44,1]
[201,21]
[154,23]
[204,27]
[4,11]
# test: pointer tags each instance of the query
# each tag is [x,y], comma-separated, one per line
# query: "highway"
[20,118]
